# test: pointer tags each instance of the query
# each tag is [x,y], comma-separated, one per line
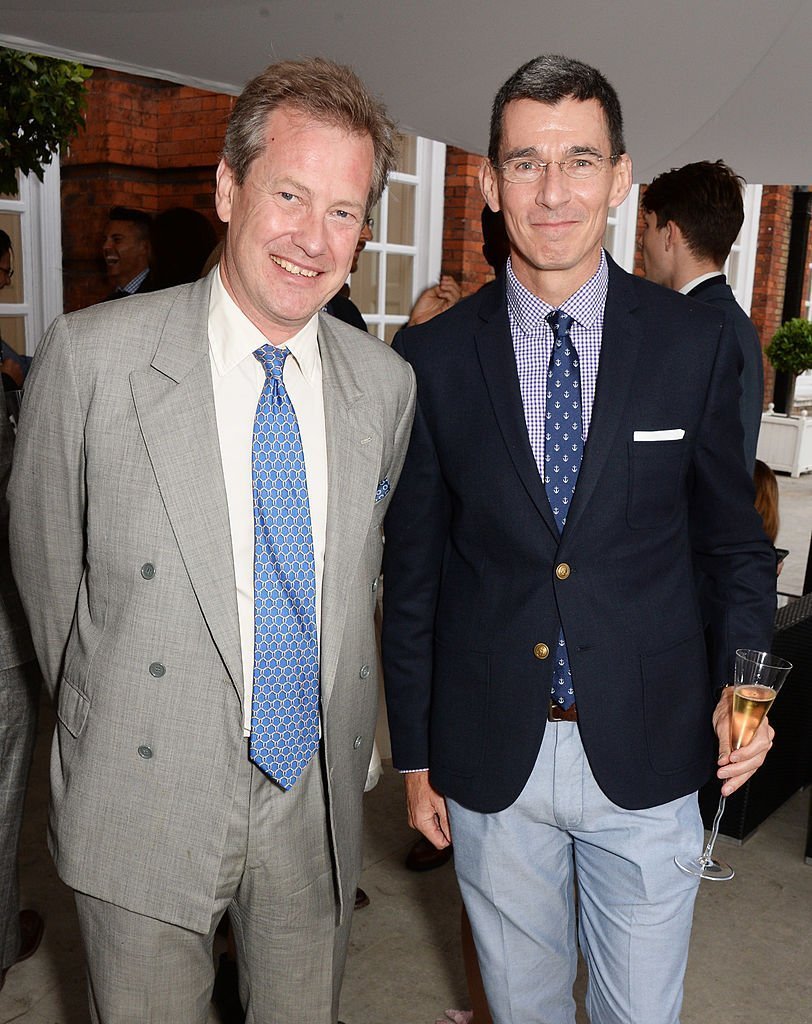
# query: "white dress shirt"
[238,379]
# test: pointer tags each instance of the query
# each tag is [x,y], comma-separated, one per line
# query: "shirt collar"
[132,286]
[232,336]
[585,306]
[689,287]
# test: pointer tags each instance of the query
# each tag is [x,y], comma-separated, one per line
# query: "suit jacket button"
[157,670]
[148,570]
[357,743]
[145,752]
[364,673]
[374,585]
[562,571]
[541,651]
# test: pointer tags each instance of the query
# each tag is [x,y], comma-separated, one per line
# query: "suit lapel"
[354,447]
[175,406]
[620,349]
[498,362]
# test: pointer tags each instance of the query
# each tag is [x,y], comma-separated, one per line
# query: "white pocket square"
[659,435]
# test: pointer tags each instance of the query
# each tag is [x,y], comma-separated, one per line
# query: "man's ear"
[224,191]
[488,185]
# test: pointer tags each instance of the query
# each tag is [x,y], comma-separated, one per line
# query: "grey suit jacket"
[122,553]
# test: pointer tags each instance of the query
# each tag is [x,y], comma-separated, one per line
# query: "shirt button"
[157,670]
[357,742]
[145,752]
[364,671]
[541,651]
[148,570]
[562,571]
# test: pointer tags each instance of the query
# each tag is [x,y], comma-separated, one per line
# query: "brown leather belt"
[555,713]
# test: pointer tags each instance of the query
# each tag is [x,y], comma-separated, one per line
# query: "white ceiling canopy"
[697,80]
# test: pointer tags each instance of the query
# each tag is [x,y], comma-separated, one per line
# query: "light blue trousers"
[517,870]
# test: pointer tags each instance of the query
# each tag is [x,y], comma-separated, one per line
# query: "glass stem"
[707,855]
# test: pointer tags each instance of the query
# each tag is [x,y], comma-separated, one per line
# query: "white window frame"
[427,250]
[622,221]
[746,246]
[38,203]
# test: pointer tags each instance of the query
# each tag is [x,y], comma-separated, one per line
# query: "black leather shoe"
[31,928]
[425,857]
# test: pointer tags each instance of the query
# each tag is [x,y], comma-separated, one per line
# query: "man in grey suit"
[692,216]
[20,931]
[146,518]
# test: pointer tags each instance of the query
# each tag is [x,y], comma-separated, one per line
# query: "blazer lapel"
[354,447]
[175,406]
[620,350]
[498,362]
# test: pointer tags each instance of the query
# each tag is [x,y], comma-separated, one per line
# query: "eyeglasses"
[525,170]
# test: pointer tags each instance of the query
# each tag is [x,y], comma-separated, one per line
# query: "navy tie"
[285,704]
[563,450]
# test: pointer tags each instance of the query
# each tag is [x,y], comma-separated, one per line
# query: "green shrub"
[42,103]
[790,350]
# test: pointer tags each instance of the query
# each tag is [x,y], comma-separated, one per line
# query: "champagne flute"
[758,678]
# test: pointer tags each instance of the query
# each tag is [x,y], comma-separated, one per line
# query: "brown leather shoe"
[31,928]
[425,857]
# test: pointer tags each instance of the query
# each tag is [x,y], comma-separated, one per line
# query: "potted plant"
[785,441]
[790,352]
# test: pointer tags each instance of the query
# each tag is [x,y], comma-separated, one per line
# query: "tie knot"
[272,358]
[560,323]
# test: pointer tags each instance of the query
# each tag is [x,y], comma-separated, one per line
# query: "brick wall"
[148,144]
[462,227]
[770,275]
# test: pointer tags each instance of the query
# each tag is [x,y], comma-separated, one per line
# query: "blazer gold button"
[145,752]
[562,571]
[148,570]
[157,670]
[357,742]
[364,673]
[541,651]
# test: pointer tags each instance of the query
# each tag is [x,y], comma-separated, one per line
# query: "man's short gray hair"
[330,94]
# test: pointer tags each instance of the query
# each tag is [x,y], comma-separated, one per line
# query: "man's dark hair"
[705,201]
[5,243]
[550,79]
[142,220]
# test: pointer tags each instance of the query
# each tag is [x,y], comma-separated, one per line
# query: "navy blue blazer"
[717,292]
[472,597]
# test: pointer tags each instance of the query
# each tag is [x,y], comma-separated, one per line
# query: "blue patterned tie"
[563,449]
[285,704]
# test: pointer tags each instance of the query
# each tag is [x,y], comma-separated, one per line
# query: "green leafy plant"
[790,350]
[42,103]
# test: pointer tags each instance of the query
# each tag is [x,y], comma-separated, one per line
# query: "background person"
[692,216]
[126,251]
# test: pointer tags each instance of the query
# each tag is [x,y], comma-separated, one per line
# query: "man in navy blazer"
[692,216]
[549,692]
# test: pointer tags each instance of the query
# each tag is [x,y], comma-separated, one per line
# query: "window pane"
[401,213]
[390,331]
[365,282]
[11,195]
[12,331]
[407,154]
[399,283]
[10,223]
